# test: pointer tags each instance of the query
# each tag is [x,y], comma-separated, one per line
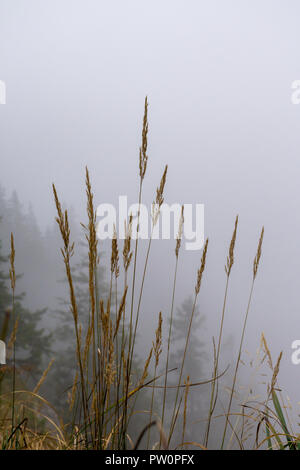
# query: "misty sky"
[218,76]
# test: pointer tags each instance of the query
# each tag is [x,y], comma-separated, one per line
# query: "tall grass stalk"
[157,349]
[143,160]
[187,389]
[255,268]
[155,215]
[67,252]
[213,395]
[197,290]
[12,275]
[177,249]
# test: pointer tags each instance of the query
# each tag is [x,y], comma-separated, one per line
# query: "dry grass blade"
[157,349]
[157,345]
[12,272]
[145,371]
[43,377]
[187,388]
[276,372]
[121,311]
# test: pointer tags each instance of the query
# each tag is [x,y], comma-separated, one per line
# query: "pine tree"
[194,355]
[194,361]
[32,343]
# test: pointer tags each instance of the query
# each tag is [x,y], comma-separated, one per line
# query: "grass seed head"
[201,269]
[230,257]
[143,149]
[179,235]
[258,254]
[157,346]
[115,255]
[127,253]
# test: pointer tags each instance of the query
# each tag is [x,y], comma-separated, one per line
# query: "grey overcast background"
[218,76]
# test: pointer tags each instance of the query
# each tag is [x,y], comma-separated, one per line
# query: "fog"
[218,77]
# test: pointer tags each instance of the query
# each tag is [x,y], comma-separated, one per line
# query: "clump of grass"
[106,384]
